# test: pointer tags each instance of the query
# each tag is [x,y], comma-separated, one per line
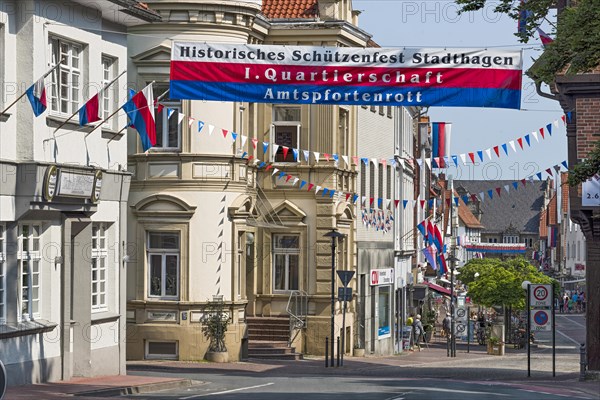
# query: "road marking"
[568,337]
[570,320]
[445,390]
[226,391]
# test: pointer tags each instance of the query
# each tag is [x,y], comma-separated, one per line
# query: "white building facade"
[64,191]
[383,226]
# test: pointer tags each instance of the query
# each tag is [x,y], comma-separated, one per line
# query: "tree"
[576,47]
[586,169]
[499,282]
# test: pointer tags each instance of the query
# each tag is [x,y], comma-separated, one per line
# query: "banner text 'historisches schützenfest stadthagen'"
[346,75]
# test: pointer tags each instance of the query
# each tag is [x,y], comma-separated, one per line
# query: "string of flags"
[443,161]
[373,203]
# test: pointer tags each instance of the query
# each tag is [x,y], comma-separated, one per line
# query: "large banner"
[346,75]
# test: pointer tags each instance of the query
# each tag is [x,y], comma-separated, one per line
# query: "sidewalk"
[95,388]
[431,362]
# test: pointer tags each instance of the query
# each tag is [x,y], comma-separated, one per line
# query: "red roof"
[438,288]
[290,9]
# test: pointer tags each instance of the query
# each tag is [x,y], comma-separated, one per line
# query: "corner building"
[205,223]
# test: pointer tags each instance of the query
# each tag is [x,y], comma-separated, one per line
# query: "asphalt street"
[416,375]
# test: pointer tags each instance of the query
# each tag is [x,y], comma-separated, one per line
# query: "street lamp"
[453,260]
[333,234]
[526,285]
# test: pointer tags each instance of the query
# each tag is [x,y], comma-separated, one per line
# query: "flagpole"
[76,112]
[25,92]
[118,133]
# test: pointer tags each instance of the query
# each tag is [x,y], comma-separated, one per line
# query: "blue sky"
[436,23]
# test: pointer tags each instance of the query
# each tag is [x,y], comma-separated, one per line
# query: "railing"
[297,308]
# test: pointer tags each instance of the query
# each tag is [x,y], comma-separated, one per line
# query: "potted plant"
[358,351]
[493,342]
[214,327]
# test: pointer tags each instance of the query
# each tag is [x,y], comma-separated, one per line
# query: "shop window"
[383,323]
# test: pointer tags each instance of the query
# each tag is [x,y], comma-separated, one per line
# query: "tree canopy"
[499,282]
[576,47]
[586,169]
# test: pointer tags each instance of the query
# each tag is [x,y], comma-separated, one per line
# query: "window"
[381,110]
[389,182]
[380,182]
[383,323]
[99,261]
[286,131]
[389,111]
[65,95]
[163,265]
[286,260]
[363,179]
[168,128]
[109,65]
[29,270]
[344,126]
[2,275]
[371,180]
[162,350]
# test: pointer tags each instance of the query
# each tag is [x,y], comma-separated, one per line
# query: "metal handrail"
[298,313]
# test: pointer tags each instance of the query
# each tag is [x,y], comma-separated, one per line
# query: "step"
[292,356]
[270,350]
[267,343]
[268,338]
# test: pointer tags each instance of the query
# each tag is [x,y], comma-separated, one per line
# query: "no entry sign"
[541,296]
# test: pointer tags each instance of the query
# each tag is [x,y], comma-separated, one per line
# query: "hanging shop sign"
[346,75]
[97,187]
[50,181]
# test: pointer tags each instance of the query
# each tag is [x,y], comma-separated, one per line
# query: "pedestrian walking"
[418,330]
[447,326]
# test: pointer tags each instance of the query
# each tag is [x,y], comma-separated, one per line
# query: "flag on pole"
[90,111]
[546,40]
[37,97]
[430,253]
[140,110]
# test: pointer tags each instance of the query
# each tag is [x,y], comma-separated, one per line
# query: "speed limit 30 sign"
[541,296]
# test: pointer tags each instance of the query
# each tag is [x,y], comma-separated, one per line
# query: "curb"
[138,389]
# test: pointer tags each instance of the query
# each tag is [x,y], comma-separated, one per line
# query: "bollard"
[326,352]
[582,362]
[338,352]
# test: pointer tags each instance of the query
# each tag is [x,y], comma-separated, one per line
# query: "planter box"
[358,352]
[217,356]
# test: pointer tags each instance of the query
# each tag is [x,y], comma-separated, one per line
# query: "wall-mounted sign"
[97,187]
[75,184]
[382,276]
[579,267]
[50,181]
[590,196]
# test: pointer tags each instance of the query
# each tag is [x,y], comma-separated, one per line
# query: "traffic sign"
[345,276]
[541,296]
[541,320]
[344,294]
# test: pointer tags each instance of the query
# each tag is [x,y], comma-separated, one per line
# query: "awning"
[439,289]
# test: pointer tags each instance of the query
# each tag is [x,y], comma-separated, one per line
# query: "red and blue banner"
[346,75]
[140,110]
[36,94]
[440,137]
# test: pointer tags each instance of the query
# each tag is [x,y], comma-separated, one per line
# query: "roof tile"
[290,9]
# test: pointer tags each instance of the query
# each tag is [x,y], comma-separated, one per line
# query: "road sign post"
[345,294]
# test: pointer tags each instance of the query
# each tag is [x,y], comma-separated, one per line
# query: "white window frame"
[27,260]
[162,131]
[108,103]
[2,274]
[285,123]
[287,252]
[164,253]
[98,266]
[74,52]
